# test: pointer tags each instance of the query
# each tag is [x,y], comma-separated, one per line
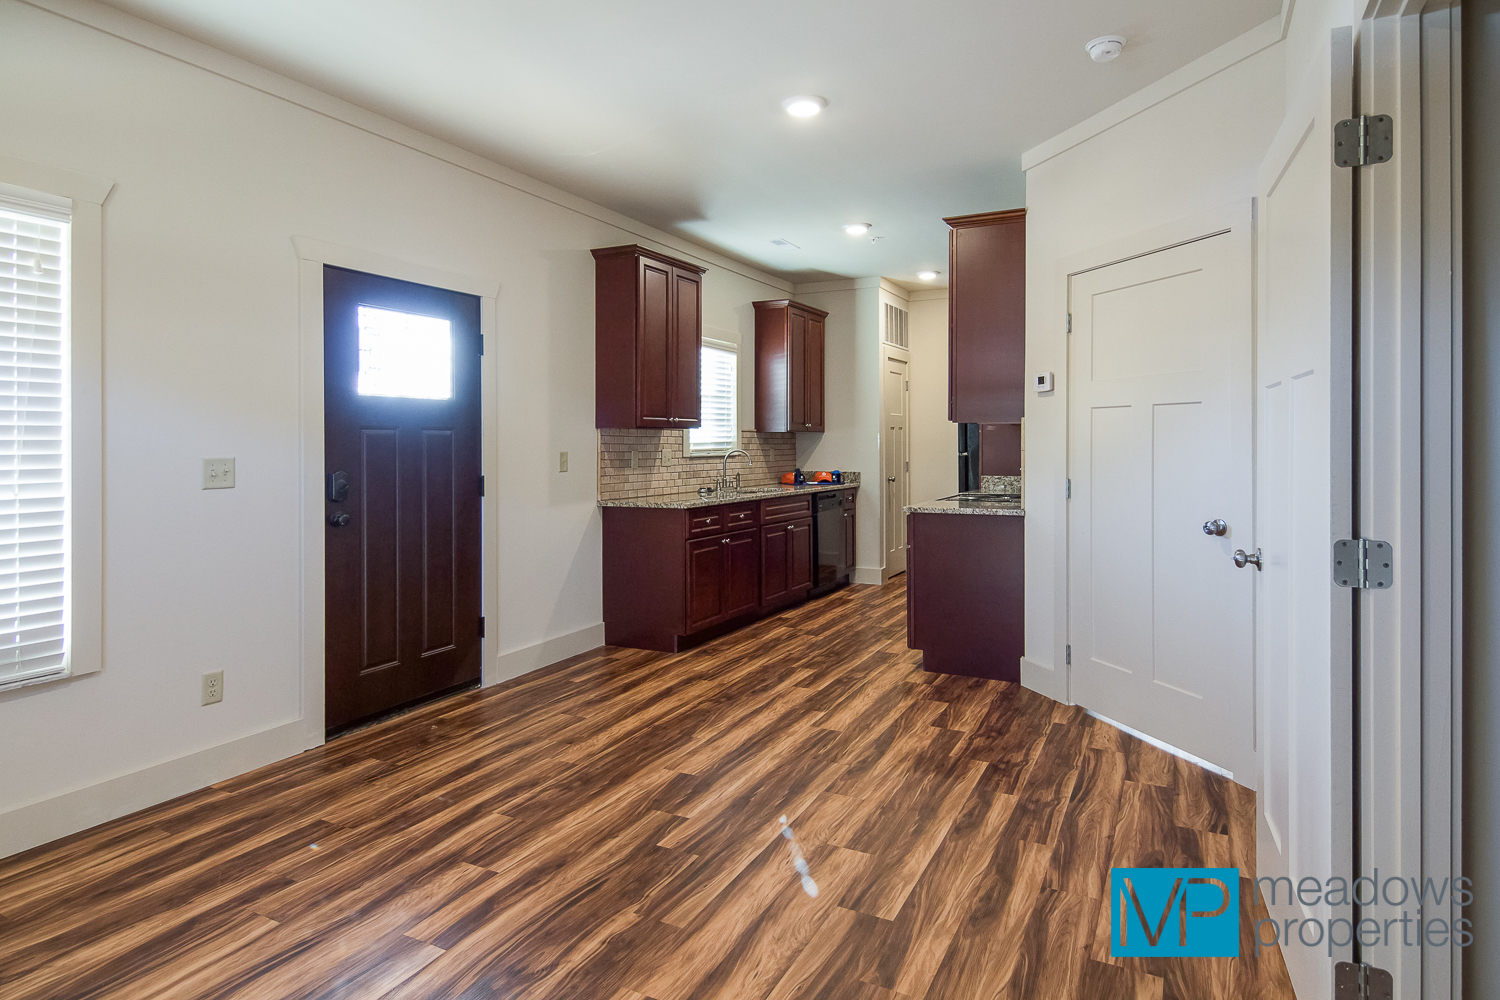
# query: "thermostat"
[1043,381]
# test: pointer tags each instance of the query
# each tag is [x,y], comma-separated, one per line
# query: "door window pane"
[402,354]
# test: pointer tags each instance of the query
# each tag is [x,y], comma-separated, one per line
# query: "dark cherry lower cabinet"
[786,561]
[676,578]
[965,587]
[723,578]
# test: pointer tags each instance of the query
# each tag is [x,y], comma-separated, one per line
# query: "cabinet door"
[813,365]
[653,347]
[987,318]
[802,561]
[775,552]
[705,582]
[684,392]
[741,572]
[796,363]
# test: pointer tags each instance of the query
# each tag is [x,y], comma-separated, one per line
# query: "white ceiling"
[670,111]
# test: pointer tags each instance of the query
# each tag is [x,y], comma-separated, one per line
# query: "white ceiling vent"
[895,326]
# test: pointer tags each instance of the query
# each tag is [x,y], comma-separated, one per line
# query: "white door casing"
[1160,619]
[895,402]
[1304,379]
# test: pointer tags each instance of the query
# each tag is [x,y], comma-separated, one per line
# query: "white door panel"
[1303,375]
[1160,444]
[896,434]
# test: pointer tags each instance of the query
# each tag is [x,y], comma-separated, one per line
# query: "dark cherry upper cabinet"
[788,366]
[648,333]
[987,317]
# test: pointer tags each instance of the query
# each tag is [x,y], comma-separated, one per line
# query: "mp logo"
[1174,912]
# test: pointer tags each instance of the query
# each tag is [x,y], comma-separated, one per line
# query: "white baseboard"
[549,651]
[872,575]
[31,825]
[1044,680]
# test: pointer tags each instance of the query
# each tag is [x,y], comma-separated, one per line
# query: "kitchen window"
[50,517]
[718,431]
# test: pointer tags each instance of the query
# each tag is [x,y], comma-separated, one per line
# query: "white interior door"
[1160,427]
[1303,626]
[896,464]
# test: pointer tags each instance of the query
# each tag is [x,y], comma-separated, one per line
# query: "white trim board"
[164,41]
[39,823]
[1235,51]
[544,654]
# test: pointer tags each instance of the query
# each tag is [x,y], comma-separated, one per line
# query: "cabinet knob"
[807,425]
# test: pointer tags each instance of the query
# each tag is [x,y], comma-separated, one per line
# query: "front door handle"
[338,520]
[338,487]
[1243,559]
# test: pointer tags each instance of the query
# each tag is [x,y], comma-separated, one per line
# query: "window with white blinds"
[719,430]
[34,328]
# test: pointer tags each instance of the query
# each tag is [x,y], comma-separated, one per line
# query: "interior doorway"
[1161,603]
[896,429]
[403,526]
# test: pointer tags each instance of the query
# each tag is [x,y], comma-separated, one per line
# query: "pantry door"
[1161,477]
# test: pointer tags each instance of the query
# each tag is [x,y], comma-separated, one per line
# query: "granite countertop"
[688,500]
[966,507]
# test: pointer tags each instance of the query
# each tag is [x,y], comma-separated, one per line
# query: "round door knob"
[1243,559]
[339,520]
[890,479]
[1218,526]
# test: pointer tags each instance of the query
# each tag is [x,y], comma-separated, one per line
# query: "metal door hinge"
[1070,322]
[481,486]
[1068,656]
[1362,141]
[1364,564]
[1362,982]
[481,344]
[1067,489]
[481,626]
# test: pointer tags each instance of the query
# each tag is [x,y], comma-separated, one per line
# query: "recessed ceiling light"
[857,228]
[926,275]
[804,106]
[1105,48]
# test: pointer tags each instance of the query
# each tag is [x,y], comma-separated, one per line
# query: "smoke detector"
[1105,47]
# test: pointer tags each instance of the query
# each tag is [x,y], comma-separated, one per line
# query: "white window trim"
[687,445]
[86,410]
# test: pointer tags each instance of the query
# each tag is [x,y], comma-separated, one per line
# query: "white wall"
[201,353]
[934,440]
[1196,150]
[851,365]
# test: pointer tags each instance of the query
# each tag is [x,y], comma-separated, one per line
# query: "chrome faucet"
[723,484]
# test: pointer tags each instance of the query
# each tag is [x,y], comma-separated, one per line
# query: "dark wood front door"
[402,492]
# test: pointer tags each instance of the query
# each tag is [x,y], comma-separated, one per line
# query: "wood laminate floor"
[609,828]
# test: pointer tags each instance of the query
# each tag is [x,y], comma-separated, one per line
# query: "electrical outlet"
[562,461]
[218,473]
[213,687]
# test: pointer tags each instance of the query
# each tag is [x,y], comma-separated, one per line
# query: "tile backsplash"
[661,467]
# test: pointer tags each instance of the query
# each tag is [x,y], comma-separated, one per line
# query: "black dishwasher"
[828,536]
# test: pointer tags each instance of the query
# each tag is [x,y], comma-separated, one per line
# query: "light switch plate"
[562,461]
[218,473]
[213,687]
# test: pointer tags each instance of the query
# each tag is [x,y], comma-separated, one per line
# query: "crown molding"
[171,44]
[1231,53]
